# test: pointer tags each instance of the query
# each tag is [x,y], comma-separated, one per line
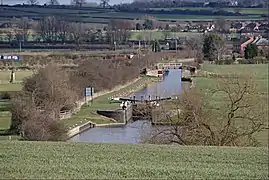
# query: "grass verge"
[57,160]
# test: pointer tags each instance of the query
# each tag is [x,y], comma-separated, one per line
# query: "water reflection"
[131,133]
[169,86]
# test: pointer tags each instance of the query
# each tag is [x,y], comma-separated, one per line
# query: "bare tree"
[118,32]
[10,36]
[234,122]
[63,29]
[77,33]
[222,25]
[32,2]
[24,28]
[35,111]
[79,3]
[194,44]
[220,48]
[104,3]
[53,2]
[48,28]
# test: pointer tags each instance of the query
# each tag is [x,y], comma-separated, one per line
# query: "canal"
[133,132]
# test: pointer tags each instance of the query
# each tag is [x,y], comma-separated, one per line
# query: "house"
[261,43]
[244,44]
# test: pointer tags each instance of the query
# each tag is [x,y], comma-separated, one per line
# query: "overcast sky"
[11,2]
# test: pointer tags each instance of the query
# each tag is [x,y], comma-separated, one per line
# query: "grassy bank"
[114,161]
[88,112]
[260,75]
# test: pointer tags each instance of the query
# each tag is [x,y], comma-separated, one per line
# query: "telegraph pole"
[139,45]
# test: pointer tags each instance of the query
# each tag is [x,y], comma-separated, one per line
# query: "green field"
[254,11]
[51,160]
[259,72]
[103,16]
[260,75]
[141,35]
[204,17]
[4,115]
[19,76]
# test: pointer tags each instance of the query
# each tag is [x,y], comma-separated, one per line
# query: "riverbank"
[59,160]
[102,102]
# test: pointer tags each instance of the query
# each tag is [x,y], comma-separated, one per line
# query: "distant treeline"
[204,12]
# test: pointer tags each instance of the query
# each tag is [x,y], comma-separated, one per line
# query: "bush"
[8,95]
[257,60]
[5,95]
[224,62]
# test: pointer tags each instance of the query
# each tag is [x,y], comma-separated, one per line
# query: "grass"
[89,112]
[10,87]
[159,35]
[5,115]
[57,160]
[103,16]
[260,74]
[256,11]
[204,17]
[19,75]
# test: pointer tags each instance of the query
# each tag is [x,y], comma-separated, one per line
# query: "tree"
[138,26]
[148,24]
[63,28]
[77,33]
[48,28]
[156,46]
[222,25]
[36,110]
[118,32]
[10,36]
[197,121]
[104,3]
[194,44]
[22,34]
[251,51]
[32,2]
[53,2]
[213,47]
[79,3]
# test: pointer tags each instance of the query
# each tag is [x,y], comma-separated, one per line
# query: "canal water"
[133,132]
